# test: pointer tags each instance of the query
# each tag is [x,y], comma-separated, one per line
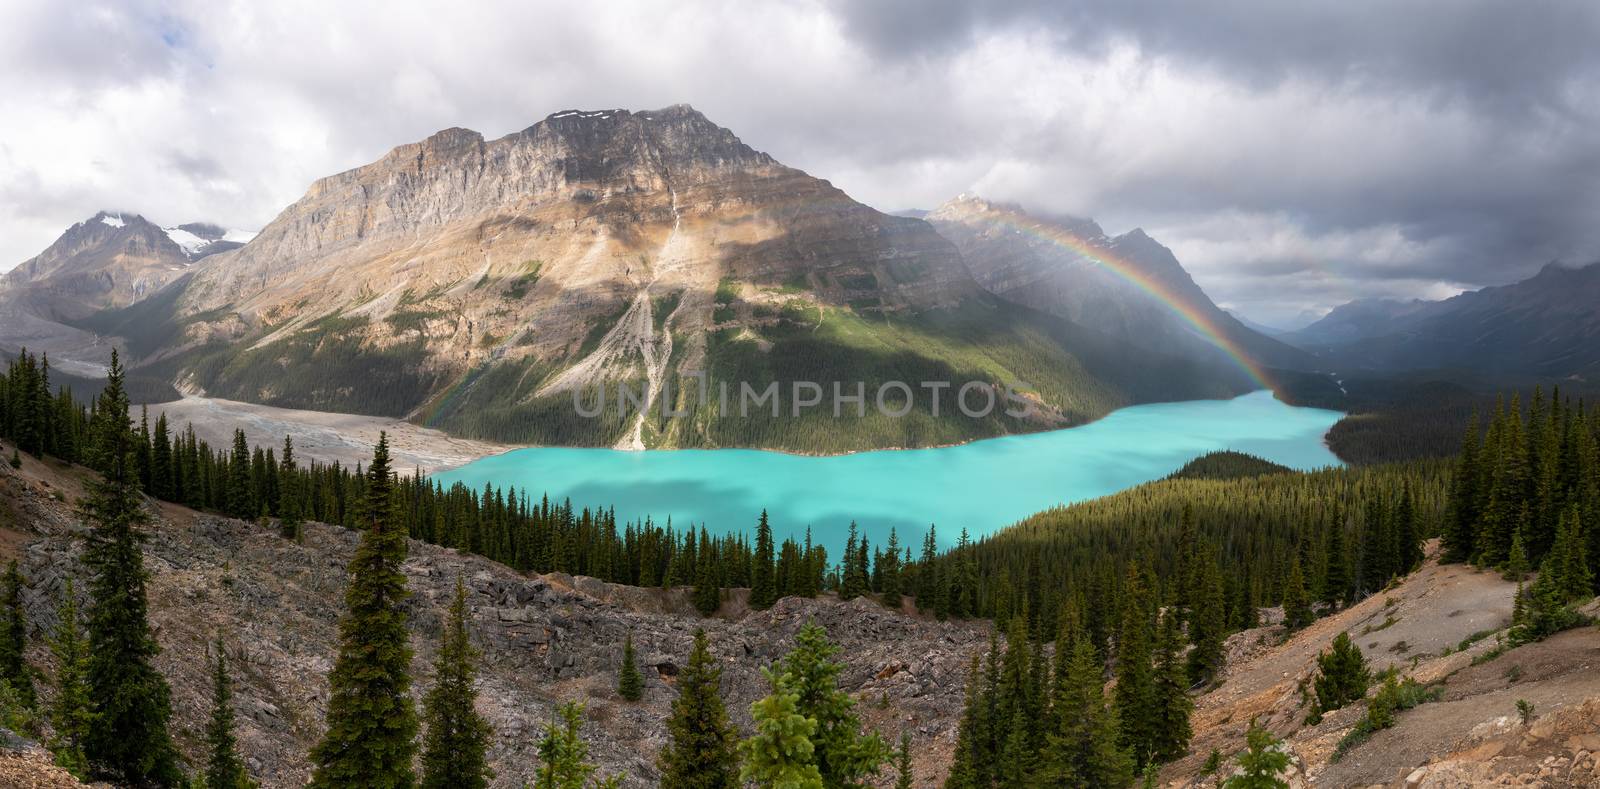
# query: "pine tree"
[457,739]
[1207,623]
[1567,561]
[764,583]
[241,491]
[902,763]
[1458,541]
[1084,748]
[701,751]
[224,768]
[971,735]
[1296,609]
[853,582]
[1336,573]
[70,714]
[1135,688]
[630,685]
[371,736]
[1342,675]
[563,755]
[131,700]
[890,572]
[844,756]
[290,518]
[1261,763]
[780,755]
[1517,563]
[14,638]
[707,587]
[1172,702]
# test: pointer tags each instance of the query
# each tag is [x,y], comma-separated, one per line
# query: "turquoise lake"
[983,486]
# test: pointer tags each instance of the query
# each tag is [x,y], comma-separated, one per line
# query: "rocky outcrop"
[545,640]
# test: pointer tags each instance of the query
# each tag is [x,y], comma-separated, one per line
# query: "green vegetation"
[630,685]
[1228,464]
[371,724]
[454,750]
[1262,762]
[224,768]
[1394,695]
[563,755]
[701,751]
[130,700]
[1342,675]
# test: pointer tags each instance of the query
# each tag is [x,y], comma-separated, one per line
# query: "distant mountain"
[1358,319]
[108,261]
[1069,267]
[475,284]
[1547,326]
[1255,326]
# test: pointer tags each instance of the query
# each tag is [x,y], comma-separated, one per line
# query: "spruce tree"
[701,751]
[1172,702]
[890,571]
[1342,675]
[1296,609]
[71,715]
[241,490]
[1262,762]
[1516,568]
[630,685]
[454,748]
[763,574]
[14,638]
[1207,623]
[564,756]
[372,727]
[131,700]
[1084,748]
[1336,573]
[843,755]
[1135,688]
[780,754]
[902,763]
[224,768]
[290,518]
[707,586]
[970,735]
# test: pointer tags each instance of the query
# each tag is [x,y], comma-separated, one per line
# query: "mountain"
[108,261]
[1546,326]
[480,285]
[1255,326]
[1358,319]
[1128,286]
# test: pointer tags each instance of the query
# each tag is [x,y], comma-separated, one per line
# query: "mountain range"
[475,284]
[1547,326]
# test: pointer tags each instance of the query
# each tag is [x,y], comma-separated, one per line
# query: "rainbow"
[1192,314]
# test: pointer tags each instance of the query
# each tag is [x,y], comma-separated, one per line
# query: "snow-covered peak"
[112,220]
[189,242]
[199,239]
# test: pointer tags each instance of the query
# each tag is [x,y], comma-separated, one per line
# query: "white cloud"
[1281,178]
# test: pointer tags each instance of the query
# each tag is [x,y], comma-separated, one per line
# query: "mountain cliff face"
[1046,263]
[109,260]
[477,284]
[1545,326]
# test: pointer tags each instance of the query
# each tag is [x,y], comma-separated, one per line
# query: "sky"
[1293,155]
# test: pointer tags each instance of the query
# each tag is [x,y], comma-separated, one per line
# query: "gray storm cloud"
[1294,155]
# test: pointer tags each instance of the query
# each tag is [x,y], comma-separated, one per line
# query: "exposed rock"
[276,606]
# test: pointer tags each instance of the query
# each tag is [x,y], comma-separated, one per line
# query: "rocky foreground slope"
[555,638]
[545,639]
[1443,626]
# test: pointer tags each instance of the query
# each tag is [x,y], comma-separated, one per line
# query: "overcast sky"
[1294,155]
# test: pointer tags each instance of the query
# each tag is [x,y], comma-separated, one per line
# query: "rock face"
[544,640]
[1069,267]
[475,284]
